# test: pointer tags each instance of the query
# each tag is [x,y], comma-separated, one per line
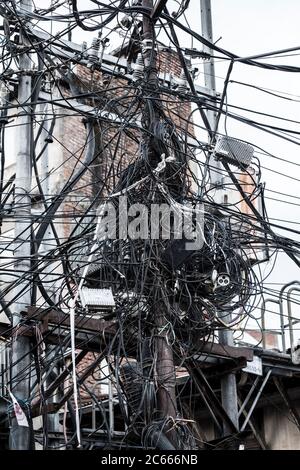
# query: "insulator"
[93,52]
[147,45]
[84,47]
[140,60]
[182,83]
[127,20]
[136,3]
[139,67]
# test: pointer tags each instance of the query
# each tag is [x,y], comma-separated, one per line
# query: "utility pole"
[210,83]
[228,383]
[165,370]
[19,435]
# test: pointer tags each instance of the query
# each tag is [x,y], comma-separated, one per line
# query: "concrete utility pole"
[210,82]
[209,65]
[228,383]
[19,435]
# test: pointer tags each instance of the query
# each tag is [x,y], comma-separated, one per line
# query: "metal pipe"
[282,290]
[281,313]
[256,433]
[256,400]
[263,323]
[228,382]
[290,318]
[248,396]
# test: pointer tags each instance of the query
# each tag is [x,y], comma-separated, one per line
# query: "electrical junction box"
[233,151]
[97,299]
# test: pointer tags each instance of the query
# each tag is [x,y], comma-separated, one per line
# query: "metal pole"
[20,436]
[290,314]
[256,400]
[242,405]
[209,65]
[210,82]
[228,382]
[281,294]
[263,323]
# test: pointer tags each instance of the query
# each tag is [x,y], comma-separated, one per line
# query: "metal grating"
[233,151]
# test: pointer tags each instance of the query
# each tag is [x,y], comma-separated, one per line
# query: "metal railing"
[291,321]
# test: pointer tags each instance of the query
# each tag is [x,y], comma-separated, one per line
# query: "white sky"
[251,27]
[254,27]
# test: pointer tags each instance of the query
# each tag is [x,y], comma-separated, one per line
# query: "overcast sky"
[254,27]
[246,28]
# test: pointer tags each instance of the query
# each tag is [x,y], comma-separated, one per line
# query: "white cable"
[73,355]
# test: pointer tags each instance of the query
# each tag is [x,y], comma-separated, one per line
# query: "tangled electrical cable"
[138,140]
